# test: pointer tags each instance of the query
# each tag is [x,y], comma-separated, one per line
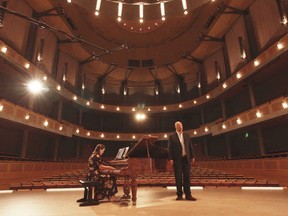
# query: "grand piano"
[145,157]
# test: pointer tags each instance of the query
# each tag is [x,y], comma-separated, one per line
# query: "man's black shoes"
[191,198]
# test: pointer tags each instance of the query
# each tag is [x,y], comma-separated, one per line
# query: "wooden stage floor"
[151,201]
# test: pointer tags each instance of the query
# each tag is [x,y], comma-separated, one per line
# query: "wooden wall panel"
[209,66]
[15,30]
[49,50]
[266,20]
[72,71]
[232,42]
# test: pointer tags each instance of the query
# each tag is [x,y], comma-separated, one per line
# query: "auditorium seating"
[200,177]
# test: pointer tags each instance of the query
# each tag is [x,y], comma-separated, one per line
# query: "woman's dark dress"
[108,186]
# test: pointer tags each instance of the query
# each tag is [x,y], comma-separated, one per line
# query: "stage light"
[140,116]
[35,86]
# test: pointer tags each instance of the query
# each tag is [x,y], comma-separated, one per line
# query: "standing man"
[180,153]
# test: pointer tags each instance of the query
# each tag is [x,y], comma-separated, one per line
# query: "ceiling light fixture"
[98,5]
[162,9]
[184,5]
[120,7]
[141,12]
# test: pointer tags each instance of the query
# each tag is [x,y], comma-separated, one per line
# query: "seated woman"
[96,165]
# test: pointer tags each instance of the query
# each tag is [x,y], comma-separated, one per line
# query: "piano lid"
[146,148]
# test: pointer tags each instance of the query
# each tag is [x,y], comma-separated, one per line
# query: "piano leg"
[126,188]
[134,190]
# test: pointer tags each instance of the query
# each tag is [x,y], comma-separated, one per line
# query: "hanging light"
[120,7]
[162,9]
[141,12]
[184,5]
[98,5]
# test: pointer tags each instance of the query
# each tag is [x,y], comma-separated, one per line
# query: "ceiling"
[140,53]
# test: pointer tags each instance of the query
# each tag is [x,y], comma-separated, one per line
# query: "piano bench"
[87,199]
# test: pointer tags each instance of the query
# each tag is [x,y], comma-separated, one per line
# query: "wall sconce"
[41,49]
[156,89]
[242,49]
[65,71]
[83,82]
[283,16]
[284,104]
[217,70]
[4,4]
[103,89]
[178,89]
[125,87]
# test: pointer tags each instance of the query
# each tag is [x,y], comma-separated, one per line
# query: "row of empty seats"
[199,177]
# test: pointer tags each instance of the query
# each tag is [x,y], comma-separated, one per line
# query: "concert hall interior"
[77,73]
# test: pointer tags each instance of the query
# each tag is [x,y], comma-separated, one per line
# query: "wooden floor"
[151,201]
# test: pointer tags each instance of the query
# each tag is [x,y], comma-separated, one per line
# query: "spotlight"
[140,116]
[35,86]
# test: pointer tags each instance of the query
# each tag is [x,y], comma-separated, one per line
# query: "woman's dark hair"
[98,148]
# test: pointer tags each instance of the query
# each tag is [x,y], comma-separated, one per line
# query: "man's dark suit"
[181,164]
